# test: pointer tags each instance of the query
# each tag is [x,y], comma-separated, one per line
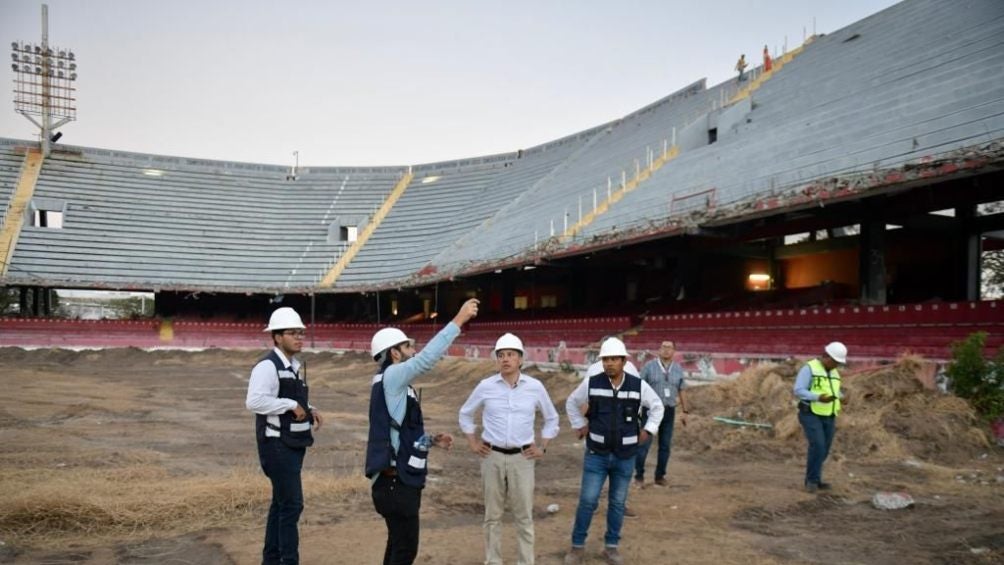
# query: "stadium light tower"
[44,79]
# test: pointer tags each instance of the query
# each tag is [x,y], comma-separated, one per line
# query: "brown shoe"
[575,556]
[612,556]
[661,482]
[629,513]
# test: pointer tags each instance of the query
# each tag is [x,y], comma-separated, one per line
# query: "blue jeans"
[819,432]
[665,439]
[282,465]
[595,470]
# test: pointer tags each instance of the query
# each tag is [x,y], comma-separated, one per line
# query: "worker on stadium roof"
[665,376]
[612,430]
[817,386]
[741,67]
[768,63]
[397,446]
[507,446]
[278,395]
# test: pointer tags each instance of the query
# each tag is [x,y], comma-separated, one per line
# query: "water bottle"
[423,443]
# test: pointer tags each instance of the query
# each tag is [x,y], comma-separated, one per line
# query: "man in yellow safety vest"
[817,387]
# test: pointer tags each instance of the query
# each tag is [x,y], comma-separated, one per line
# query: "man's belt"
[508,450]
[389,472]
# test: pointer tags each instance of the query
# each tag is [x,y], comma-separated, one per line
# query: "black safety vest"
[291,432]
[409,461]
[613,416]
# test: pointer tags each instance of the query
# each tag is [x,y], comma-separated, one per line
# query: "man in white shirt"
[278,395]
[507,447]
[612,432]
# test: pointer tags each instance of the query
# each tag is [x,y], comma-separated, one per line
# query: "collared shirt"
[580,397]
[509,412]
[398,376]
[263,390]
[666,381]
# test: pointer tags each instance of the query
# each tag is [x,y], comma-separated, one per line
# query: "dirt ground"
[126,456]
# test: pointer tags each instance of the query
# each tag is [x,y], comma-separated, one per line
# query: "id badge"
[667,392]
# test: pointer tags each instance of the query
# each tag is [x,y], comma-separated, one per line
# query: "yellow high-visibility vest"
[825,383]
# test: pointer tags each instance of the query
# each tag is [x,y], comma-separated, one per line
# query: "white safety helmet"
[597,368]
[385,339]
[284,318]
[613,347]
[509,341]
[837,351]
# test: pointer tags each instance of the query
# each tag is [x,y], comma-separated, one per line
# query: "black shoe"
[824,486]
[811,488]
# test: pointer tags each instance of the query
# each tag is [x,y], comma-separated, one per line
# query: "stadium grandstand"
[850,191]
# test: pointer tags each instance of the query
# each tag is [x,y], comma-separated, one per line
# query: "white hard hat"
[613,347]
[385,339]
[597,368]
[837,351]
[284,318]
[509,341]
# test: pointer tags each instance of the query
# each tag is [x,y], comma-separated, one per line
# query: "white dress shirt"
[263,391]
[580,397]
[508,416]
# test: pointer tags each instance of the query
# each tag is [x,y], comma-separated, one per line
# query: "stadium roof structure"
[910,96]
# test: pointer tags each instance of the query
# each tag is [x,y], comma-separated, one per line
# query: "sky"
[387,83]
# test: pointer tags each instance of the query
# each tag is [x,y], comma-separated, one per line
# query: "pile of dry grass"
[888,415]
[53,507]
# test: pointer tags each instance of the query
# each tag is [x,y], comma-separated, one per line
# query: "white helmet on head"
[837,351]
[597,368]
[509,341]
[284,318]
[613,347]
[385,339]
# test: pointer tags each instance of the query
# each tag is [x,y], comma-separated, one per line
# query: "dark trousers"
[665,439]
[819,432]
[282,465]
[398,503]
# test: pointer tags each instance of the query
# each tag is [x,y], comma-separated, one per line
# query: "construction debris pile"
[888,415]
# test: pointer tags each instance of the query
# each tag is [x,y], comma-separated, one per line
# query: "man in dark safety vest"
[397,446]
[278,395]
[817,387]
[612,430]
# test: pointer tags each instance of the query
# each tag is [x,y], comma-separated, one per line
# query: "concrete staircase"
[14,218]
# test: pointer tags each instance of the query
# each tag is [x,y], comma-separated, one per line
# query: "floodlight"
[43,84]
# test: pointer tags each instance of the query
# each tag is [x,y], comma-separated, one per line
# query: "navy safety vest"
[291,432]
[409,462]
[613,417]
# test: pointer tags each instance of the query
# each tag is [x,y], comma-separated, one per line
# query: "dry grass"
[889,416]
[57,507]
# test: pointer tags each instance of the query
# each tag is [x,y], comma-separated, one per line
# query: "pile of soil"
[888,415]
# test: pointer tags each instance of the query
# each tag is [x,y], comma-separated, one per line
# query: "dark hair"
[277,333]
[388,359]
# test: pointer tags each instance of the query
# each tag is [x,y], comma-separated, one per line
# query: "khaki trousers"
[508,480]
